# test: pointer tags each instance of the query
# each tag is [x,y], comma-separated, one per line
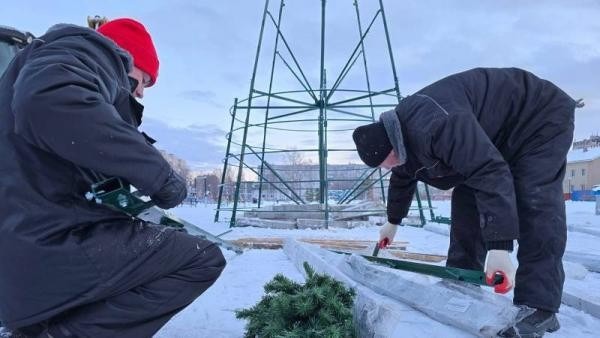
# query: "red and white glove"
[386,234]
[499,262]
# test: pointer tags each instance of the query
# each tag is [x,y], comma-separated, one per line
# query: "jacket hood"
[62,30]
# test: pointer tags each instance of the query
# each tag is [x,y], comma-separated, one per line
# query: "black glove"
[171,193]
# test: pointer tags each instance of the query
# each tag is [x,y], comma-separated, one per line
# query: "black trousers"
[538,174]
[179,271]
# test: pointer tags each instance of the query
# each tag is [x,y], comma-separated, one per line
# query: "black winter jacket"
[468,128]
[67,119]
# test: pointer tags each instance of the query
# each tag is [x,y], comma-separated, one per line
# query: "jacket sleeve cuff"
[499,245]
[394,220]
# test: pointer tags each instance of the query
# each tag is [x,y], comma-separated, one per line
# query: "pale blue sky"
[207,50]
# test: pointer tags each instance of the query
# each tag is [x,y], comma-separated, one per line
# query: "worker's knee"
[207,264]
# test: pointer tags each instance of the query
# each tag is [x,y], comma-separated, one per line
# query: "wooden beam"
[397,249]
[338,244]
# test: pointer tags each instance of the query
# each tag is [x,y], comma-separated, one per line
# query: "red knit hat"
[133,37]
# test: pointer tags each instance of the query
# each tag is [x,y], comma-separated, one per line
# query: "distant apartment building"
[304,181]
[342,179]
[583,166]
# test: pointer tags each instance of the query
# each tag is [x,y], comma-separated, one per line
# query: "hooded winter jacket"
[67,119]
[469,128]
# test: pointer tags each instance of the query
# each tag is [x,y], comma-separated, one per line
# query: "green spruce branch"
[321,307]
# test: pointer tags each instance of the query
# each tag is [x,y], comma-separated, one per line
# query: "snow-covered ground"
[241,284]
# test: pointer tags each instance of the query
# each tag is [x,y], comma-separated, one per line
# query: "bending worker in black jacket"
[68,266]
[500,138]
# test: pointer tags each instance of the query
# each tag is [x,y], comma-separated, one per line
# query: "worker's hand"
[499,262]
[171,193]
[386,234]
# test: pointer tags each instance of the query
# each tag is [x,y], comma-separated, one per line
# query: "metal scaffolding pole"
[324,110]
[269,94]
[243,150]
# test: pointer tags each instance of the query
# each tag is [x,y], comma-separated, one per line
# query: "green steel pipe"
[429,202]
[370,95]
[348,113]
[293,57]
[279,177]
[368,186]
[241,166]
[274,107]
[389,45]
[338,82]
[306,89]
[315,107]
[364,57]
[303,91]
[464,275]
[262,159]
[322,96]
[270,95]
[358,185]
[345,72]
[420,205]
[383,105]
[271,183]
[223,175]
[298,107]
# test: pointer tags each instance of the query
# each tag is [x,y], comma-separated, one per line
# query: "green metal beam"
[226,160]
[338,81]
[271,183]
[241,166]
[270,95]
[464,275]
[307,90]
[262,158]
[287,46]
[370,96]
[368,186]
[278,176]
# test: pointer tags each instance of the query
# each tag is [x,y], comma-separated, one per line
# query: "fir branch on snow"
[322,307]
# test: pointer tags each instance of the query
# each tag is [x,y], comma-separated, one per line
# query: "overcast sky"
[207,49]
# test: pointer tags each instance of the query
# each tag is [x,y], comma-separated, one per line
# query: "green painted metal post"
[323,120]
[389,45]
[420,206]
[429,202]
[364,57]
[226,161]
[241,166]
[262,158]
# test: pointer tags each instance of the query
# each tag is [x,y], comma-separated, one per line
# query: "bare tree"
[179,165]
[295,157]
[297,169]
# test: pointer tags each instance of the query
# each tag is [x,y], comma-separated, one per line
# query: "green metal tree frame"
[319,99]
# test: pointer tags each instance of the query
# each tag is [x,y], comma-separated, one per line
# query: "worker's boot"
[532,325]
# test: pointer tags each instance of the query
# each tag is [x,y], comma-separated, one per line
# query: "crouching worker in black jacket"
[500,138]
[70,267]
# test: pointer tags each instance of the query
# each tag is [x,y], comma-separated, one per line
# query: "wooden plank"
[397,249]
[277,243]
[418,256]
